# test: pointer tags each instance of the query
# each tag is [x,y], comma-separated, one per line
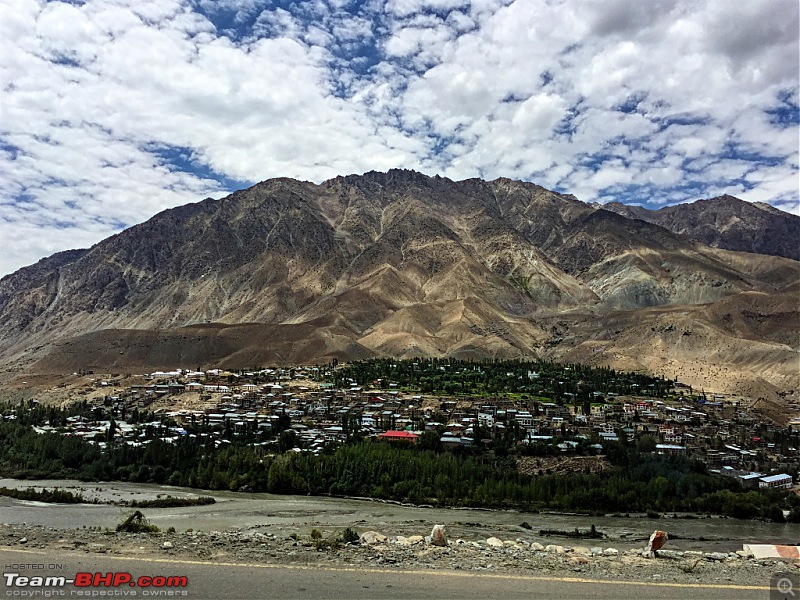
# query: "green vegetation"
[522,282]
[349,536]
[548,381]
[637,482]
[136,523]
[172,502]
[55,496]
[333,541]
[589,534]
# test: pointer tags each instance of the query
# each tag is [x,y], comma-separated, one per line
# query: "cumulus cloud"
[115,109]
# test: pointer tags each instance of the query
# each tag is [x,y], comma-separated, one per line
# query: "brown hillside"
[403,264]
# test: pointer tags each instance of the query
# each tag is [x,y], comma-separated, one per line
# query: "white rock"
[372,537]
[610,552]
[438,536]
[415,539]
[494,542]
[581,550]
[596,550]
[716,555]
[166,545]
[554,548]
[537,546]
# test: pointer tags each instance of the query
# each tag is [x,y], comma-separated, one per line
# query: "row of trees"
[451,376]
[636,482]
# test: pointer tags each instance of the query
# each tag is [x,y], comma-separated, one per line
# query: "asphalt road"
[244,581]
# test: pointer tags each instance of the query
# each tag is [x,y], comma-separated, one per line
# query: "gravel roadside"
[409,551]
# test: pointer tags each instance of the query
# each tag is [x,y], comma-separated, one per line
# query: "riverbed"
[300,514]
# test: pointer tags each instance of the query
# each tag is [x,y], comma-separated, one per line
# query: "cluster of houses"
[723,434]
[749,479]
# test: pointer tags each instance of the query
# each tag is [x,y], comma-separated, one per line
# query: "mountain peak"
[726,222]
[390,177]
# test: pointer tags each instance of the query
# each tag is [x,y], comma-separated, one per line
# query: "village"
[296,410]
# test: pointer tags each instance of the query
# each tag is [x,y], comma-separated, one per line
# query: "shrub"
[350,536]
[136,523]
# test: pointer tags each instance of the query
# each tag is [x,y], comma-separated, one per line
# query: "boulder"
[610,552]
[438,536]
[372,537]
[657,540]
[582,550]
[596,550]
[537,546]
[415,539]
[716,556]
[494,542]
[554,548]
[671,554]
[166,545]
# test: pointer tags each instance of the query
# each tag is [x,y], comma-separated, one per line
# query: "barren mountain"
[403,264]
[726,222]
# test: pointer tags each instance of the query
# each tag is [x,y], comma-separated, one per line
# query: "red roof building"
[399,436]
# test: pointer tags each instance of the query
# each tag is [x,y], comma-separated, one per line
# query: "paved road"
[244,581]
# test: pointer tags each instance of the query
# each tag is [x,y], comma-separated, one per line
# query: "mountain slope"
[393,263]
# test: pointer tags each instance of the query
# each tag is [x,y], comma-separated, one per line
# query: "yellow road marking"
[448,573]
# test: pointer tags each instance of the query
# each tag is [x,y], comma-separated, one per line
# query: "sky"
[113,110]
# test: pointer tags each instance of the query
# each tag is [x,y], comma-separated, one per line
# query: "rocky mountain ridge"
[398,264]
[726,222]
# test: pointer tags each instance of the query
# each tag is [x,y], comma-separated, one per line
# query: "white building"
[776,482]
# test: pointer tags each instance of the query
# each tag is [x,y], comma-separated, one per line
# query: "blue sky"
[113,110]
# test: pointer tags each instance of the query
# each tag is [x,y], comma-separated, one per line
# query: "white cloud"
[115,109]
[404,8]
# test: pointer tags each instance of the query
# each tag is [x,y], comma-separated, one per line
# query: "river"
[302,513]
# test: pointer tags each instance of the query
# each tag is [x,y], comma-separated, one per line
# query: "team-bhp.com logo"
[95,585]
